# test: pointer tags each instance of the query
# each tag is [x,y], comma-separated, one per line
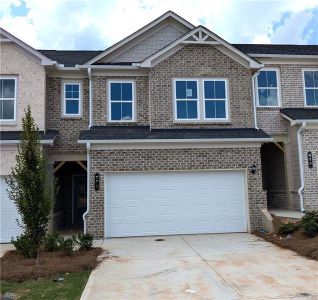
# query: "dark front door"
[80,197]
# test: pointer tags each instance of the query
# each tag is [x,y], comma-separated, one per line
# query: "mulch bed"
[15,267]
[297,241]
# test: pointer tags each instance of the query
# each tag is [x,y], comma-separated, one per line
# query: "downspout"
[90,97]
[254,99]
[88,147]
[301,166]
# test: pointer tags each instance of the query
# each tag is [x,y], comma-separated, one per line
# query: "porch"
[280,177]
[71,197]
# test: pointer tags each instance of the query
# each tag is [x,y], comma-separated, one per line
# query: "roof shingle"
[300,113]
[16,135]
[144,133]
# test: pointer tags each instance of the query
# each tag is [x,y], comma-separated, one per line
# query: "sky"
[96,25]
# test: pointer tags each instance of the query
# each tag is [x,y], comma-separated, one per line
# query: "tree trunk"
[38,257]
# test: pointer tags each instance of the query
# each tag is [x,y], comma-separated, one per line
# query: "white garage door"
[8,214]
[163,203]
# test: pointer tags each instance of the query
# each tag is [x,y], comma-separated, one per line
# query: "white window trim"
[278,89]
[226,99]
[64,114]
[175,99]
[133,84]
[15,100]
[304,86]
[201,101]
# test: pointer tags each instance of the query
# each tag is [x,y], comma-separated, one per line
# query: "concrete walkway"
[213,266]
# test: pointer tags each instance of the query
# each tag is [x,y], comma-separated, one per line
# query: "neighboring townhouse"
[175,131]
[22,83]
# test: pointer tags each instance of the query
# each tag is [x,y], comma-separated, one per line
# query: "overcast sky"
[90,24]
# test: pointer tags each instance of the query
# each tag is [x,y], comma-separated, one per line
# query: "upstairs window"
[8,98]
[72,99]
[121,101]
[215,99]
[186,99]
[267,88]
[311,87]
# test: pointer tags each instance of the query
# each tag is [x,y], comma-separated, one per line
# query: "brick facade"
[310,143]
[200,61]
[100,101]
[103,161]
[68,127]
[292,95]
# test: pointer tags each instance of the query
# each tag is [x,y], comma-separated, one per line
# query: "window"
[186,99]
[8,86]
[311,87]
[215,99]
[72,99]
[267,88]
[121,101]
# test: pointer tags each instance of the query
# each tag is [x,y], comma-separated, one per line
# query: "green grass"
[46,288]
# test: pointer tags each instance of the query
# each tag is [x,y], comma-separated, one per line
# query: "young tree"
[29,187]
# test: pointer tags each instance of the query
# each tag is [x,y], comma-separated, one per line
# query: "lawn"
[45,288]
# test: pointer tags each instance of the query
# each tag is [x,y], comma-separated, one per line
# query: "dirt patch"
[297,241]
[15,267]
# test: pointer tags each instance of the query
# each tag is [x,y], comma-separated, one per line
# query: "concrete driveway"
[212,266]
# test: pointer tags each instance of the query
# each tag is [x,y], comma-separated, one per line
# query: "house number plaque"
[309,157]
[96,181]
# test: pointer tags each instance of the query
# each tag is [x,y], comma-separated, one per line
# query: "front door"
[80,198]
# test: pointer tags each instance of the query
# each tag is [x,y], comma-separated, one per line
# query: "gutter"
[88,146]
[15,142]
[90,98]
[146,141]
[254,99]
[111,67]
[301,166]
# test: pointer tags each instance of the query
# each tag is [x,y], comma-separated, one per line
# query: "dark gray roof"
[70,58]
[300,113]
[143,132]
[278,49]
[15,135]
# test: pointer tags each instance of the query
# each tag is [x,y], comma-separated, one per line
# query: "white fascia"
[283,56]
[146,141]
[300,121]
[15,142]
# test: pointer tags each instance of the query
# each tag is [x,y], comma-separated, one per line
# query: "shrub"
[288,228]
[29,187]
[25,246]
[53,242]
[68,246]
[309,223]
[85,241]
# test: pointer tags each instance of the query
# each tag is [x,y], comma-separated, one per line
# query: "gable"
[202,36]
[169,24]
[149,45]
[8,38]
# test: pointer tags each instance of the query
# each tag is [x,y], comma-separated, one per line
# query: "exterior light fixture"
[253,170]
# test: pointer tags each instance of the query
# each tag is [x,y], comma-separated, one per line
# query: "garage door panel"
[152,203]
[9,227]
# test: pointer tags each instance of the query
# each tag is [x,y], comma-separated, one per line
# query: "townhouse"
[172,130]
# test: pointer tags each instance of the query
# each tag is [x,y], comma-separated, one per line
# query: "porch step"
[286,213]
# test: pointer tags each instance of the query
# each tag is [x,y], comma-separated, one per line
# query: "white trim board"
[174,146]
[252,63]
[146,141]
